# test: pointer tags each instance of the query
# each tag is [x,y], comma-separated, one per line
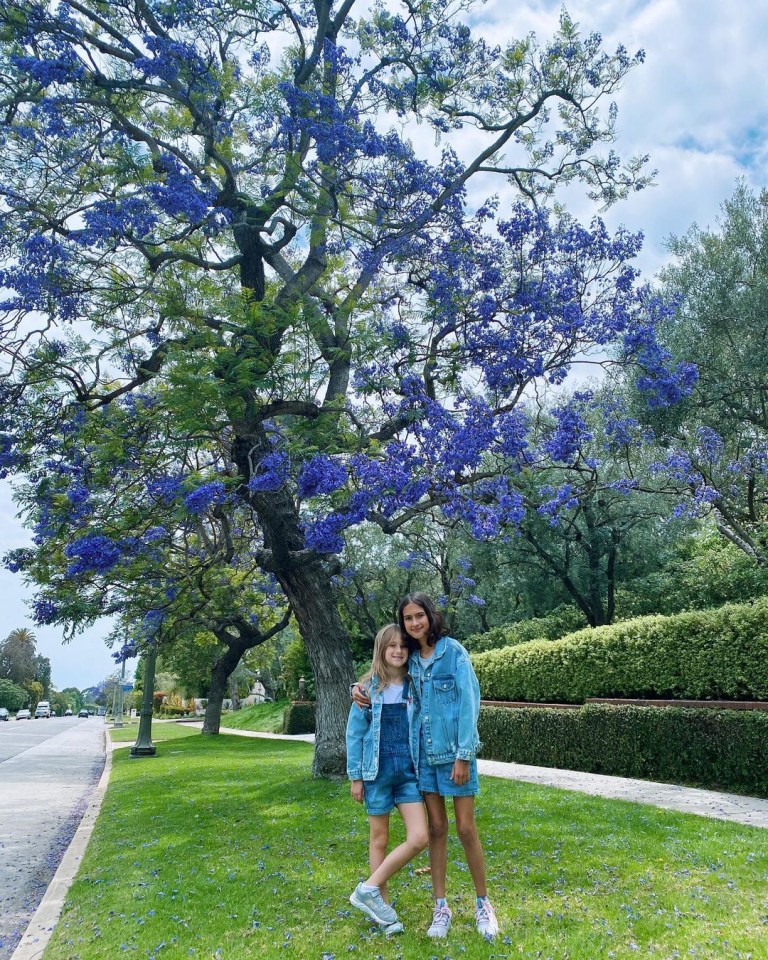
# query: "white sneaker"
[370,902]
[485,918]
[441,922]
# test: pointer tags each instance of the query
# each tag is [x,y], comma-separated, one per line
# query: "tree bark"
[306,583]
[220,672]
[309,592]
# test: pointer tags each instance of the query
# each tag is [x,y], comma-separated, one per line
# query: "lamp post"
[144,746]
[119,708]
[302,687]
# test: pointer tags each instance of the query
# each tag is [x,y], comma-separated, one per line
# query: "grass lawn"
[160,731]
[225,848]
[264,717]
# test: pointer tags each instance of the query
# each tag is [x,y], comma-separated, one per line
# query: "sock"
[367,888]
[441,902]
[481,900]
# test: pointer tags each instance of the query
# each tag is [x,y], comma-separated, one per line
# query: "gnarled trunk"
[308,590]
[222,668]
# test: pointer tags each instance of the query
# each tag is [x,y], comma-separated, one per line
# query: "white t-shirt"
[392,693]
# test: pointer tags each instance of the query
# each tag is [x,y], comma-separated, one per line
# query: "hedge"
[717,654]
[718,749]
[299,717]
[552,627]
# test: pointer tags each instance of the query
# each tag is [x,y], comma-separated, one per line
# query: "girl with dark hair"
[444,745]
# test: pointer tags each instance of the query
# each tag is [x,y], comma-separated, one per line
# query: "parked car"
[67,712]
[43,709]
[83,713]
[4,714]
[23,714]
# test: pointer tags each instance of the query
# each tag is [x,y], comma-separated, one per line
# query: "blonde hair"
[379,668]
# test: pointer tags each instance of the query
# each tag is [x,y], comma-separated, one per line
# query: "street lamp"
[119,708]
[144,746]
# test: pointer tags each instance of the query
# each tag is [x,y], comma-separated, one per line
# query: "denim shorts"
[396,781]
[395,784]
[438,779]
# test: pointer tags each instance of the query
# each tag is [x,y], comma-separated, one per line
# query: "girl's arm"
[469,709]
[357,727]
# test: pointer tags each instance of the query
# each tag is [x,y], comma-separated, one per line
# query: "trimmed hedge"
[552,627]
[718,749]
[717,654]
[299,717]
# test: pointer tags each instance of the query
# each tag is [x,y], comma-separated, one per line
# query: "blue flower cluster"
[272,471]
[93,552]
[321,475]
[201,499]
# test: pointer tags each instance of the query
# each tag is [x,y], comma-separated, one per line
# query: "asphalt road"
[48,768]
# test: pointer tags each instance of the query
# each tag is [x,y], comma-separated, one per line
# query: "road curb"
[41,926]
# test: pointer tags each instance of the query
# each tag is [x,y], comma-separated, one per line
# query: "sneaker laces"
[484,912]
[441,916]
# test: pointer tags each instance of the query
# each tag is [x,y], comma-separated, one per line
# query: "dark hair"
[437,627]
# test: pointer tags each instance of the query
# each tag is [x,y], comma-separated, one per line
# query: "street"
[48,768]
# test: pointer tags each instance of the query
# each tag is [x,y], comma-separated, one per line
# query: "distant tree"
[43,673]
[12,696]
[717,439]
[17,656]
[34,691]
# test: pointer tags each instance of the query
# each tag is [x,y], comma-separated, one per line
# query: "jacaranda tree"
[274,210]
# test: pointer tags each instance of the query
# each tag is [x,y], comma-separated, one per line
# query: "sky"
[698,106]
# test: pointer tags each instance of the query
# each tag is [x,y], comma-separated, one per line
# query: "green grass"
[263,717]
[225,848]
[160,731]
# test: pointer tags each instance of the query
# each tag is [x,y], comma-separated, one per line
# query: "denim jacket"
[364,731]
[447,705]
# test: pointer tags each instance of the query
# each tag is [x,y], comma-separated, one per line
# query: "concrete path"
[750,811]
[48,769]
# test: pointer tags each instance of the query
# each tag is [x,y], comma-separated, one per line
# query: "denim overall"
[396,780]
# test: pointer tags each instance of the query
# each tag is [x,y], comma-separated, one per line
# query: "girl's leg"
[438,841]
[416,839]
[466,828]
[377,844]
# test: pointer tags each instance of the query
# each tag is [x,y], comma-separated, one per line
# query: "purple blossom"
[322,474]
[201,499]
[93,552]
[272,472]
[45,611]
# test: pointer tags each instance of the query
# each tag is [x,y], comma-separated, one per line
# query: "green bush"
[555,625]
[12,696]
[700,655]
[171,710]
[299,717]
[719,749]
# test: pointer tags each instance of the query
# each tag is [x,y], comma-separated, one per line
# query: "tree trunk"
[306,582]
[220,672]
[309,592]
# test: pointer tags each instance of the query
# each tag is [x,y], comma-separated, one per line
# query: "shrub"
[173,710]
[555,625]
[299,717]
[705,654]
[721,749]
[12,696]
